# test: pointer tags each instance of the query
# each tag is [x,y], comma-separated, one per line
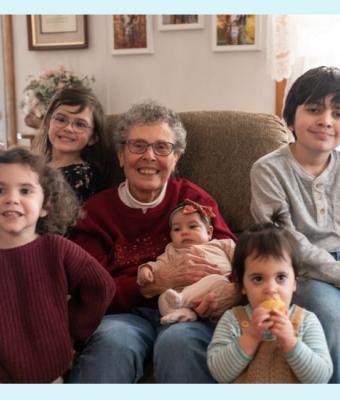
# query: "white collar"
[127,198]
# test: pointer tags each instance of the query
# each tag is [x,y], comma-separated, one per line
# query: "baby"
[191,232]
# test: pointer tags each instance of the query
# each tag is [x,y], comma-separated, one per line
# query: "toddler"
[257,344]
[191,232]
[75,139]
[53,294]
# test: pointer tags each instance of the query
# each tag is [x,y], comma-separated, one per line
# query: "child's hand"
[260,321]
[283,330]
[145,275]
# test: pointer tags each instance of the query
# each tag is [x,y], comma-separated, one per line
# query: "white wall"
[182,73]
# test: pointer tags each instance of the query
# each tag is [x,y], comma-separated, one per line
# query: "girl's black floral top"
[81,177]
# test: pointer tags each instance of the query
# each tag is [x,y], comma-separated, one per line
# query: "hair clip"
[191,207]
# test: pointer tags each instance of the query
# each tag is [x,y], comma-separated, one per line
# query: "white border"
[237,47]
[179,27]
[149,39]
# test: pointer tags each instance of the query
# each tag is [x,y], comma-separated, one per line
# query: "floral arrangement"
[41,88]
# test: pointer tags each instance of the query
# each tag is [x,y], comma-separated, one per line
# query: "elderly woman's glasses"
[160,147]
[78,125]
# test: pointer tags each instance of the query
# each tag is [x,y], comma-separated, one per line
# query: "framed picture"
[236,32]
[131,34]
[179,22]
[57,32]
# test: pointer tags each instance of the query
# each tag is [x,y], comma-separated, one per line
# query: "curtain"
[296,43]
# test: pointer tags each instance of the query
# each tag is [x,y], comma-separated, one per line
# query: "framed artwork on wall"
[236,32]
[180,22]
[57,32]
[131,34]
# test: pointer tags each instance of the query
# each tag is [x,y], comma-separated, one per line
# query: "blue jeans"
[324,300]
[336,255]
[119,348]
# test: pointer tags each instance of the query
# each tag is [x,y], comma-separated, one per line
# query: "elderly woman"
[127,226]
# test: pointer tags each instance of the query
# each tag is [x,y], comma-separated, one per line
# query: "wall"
[183,72]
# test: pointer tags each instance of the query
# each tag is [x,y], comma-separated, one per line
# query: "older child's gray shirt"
[311,205]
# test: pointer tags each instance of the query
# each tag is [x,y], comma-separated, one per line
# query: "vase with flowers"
[41,88]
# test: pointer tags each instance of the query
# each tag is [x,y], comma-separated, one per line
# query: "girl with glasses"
[74,138]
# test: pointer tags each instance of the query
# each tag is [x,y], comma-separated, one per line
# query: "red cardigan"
[38,323]
[121,238]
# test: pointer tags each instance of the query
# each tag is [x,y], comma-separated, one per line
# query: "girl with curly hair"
[53,294]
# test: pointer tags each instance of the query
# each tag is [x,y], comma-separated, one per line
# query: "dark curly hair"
[270,239]
[60,202]
[101,154]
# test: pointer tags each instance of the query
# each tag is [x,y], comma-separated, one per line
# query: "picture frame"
[131,34]
[57,32]
[180,22]
[236,32]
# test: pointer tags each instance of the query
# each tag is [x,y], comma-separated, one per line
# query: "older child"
[52,293]
[75,139]
[303,180]
[257,344]
[191,232]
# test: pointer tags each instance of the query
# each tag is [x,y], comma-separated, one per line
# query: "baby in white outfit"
[190,232]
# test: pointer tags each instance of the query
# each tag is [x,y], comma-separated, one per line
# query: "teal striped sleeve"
[310,359]
[226,359]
